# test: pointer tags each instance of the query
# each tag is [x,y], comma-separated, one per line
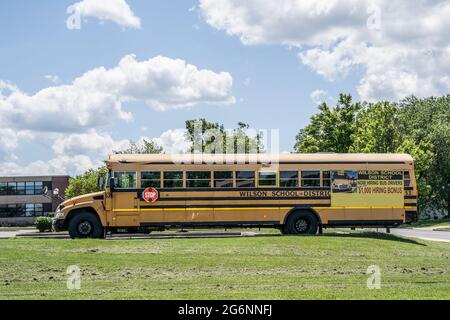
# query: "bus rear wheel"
[301,222]
[85,225]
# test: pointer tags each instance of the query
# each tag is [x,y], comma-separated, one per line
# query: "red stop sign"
[150,195]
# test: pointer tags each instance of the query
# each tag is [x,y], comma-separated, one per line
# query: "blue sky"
[272,83]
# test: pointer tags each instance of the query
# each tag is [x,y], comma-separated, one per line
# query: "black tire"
[301,222]
[85,225]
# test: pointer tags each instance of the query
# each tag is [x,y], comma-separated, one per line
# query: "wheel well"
[74,212]
[309,210]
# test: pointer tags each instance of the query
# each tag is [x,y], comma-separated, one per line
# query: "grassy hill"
[320,267]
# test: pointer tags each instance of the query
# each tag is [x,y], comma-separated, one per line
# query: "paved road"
[424,234]
[12,234]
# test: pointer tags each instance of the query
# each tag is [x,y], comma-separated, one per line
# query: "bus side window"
[311,178]
[223,179]
[125,179]
[326,179]
[267,178]
[198,179]
[173,179]
[245,179]
[407,179]
[288,179]
[150,179]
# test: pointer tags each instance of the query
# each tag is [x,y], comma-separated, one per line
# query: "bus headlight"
[59,215]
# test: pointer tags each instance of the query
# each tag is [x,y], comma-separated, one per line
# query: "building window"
[150,179]
[38,209]
[20,188]
[267,178]
[47,207]
[3,189]
[4,213]
[30,210]
[125,180]
[12,210]
[245,179]
[38,186]
[20,210]
[311,178]
[29,188]
[223,179]
[12,188]
[326,179]
[288,179]
[198,179]
[173,179]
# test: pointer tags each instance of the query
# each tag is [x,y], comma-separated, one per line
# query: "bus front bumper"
[58,225]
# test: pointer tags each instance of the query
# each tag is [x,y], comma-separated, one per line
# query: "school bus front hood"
[86,198]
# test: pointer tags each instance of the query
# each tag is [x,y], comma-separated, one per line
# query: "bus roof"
[260,158]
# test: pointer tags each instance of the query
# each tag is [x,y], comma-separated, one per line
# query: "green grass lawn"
[315,267]
[427,223]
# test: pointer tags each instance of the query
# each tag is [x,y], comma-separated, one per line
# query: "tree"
[376,129]
[427,122]
[330,130]
[146,147]
[211,137]
[85,183]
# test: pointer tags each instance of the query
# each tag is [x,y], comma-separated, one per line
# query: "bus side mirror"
[100,182]
[112,183]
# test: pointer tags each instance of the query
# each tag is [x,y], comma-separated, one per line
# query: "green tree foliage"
[331,129]
[211,137]
[420,127]
[146,147]
[376,129]
[427,123]
[85,183]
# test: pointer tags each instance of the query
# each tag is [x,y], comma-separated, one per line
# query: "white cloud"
[58,166]
[93,143]
[402,49]
[173,141]
[318,96]
[95,99]
[161,82]
[70,119]
[8,143]
[117,11]
[61,108]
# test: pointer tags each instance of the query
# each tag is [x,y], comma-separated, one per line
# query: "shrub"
[43,224]
[51,214]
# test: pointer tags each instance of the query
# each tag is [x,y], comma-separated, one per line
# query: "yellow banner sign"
[367,188]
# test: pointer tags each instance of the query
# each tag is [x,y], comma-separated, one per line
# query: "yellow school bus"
[297,193]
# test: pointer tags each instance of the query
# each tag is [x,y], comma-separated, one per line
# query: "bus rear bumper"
[411,216]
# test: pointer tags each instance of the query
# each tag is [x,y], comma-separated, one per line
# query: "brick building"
[22,199]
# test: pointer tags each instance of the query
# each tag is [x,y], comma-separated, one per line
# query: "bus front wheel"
[85,225]
[301,222]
